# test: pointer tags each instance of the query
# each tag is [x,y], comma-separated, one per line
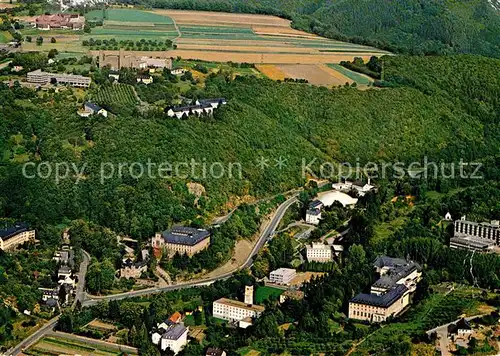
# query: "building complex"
[390,294]
[59,21]
[200,107]
[128,59]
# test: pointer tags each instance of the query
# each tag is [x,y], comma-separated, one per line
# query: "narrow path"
[94,342]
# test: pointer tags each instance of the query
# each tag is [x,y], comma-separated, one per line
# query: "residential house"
[215,103]
[461,329]
[182,239]
[170,335]
[213,351]
[14,235]
[91,109]
[145,79]
[178,71]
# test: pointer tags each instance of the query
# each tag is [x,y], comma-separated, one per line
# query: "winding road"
[88,300]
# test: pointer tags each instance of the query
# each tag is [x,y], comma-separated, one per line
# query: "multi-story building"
[40,77]
[378,307]
[393,272]
[475,236]
[15,235]
[128,59]
[182,239]
[234,310]
[174,338]
[282,275]
[390,294]
[319,252]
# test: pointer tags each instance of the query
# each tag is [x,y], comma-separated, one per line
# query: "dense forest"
[430,112]
[403,26]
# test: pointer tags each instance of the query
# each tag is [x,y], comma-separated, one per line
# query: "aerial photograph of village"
[250,177]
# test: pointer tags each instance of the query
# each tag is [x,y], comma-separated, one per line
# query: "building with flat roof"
[282,275]
[182,239]
[475,236]
[14,235]
[40,77]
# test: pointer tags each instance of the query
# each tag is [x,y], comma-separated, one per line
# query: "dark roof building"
[386,261]
[10,231]
[174,332]
[184,235]
[384,300]
[212,351]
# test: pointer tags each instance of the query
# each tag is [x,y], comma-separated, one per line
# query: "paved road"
[82,272]
[94,342]
[268,230]
[33,338]
[92,300]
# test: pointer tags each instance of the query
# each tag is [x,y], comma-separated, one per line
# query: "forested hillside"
[405,26]
[446,119]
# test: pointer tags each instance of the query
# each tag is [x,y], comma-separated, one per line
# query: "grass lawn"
[435,310]
[263,293]
[386,229]
[128,15]
[358,78]
[5,37]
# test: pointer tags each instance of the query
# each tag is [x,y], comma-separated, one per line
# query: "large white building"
[390,294]
[319,252]
[475,236]
[234,310]
[15,235]
[40,77]
[282,275]
[171,334]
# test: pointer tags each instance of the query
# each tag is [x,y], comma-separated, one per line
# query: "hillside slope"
[447,120]
[405,26]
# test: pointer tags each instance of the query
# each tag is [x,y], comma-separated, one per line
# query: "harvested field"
[271,71]
[271,58]
[315,74]
[282,31]
[221,18]
[250,49]
[6,5]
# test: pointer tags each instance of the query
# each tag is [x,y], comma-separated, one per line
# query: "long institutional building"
[15,235]
[40,77]
[182,239]
[236,311]
[476,236]
[390,294]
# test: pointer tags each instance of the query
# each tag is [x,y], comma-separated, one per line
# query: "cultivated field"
[316,74]
[267,41]
[117,93]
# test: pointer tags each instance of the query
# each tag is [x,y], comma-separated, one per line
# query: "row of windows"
[477,230]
